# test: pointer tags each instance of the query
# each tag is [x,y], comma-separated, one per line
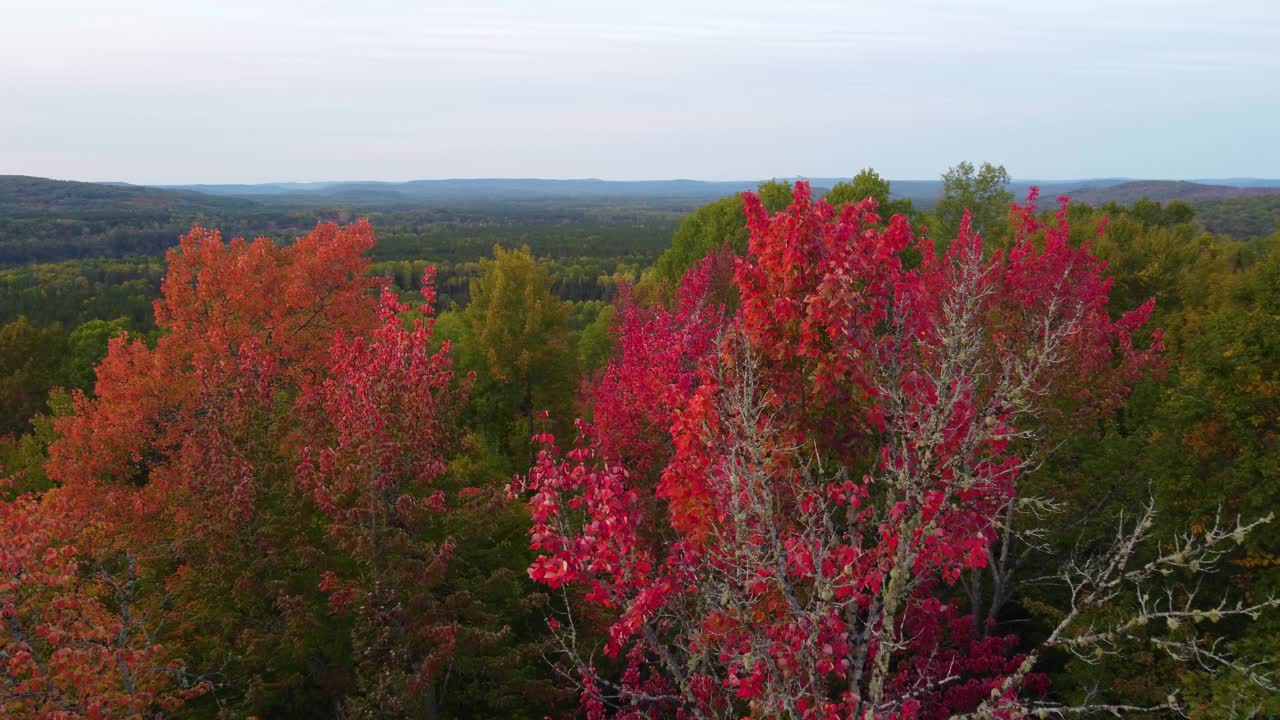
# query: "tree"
[658,348]
[593,342]
[1212,438]
[283,468]
[378,431]
[718,225]
[74,644]
[242,322]
[183,452]
[29,359]
[86,347]
[868,184]
[516,340]
[849,450]
[35,360]
[1194,437]
[23,458]
[981,192]
[1149,212]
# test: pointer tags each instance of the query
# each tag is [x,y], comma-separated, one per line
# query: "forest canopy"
[794,452]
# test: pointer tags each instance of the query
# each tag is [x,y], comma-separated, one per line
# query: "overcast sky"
[165,91]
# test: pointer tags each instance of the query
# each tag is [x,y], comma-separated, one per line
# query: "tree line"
[830,456]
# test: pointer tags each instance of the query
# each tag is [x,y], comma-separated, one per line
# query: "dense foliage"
[844,446]
[1241,217]
[51,221]
[829,464]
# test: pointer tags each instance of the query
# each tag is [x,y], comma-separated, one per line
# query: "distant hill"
[1164,191]
[474,191]
[1099,191]
[23,193]
[1240,182]
[45,220]
[680,194]
[48,220]
[468,192]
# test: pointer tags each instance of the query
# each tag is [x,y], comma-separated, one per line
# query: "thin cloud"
[155,91]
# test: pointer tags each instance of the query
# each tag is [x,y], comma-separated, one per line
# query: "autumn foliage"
[161,469]
[807,485]
[282,398]
[842,449]
[74,645]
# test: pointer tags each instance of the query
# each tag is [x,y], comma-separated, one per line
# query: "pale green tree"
[981,190]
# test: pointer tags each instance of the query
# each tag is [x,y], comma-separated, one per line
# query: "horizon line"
[491,178]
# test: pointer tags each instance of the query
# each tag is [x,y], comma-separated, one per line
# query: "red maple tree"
[375,435]
[843,448]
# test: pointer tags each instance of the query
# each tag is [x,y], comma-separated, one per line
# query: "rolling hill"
[679,195]
[45,220]
[23,193]
[476,191]
[1164,191]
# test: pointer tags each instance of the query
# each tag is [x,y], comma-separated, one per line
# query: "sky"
[178,91]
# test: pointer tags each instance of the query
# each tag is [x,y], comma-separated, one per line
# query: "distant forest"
[929,450]
[453,221]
